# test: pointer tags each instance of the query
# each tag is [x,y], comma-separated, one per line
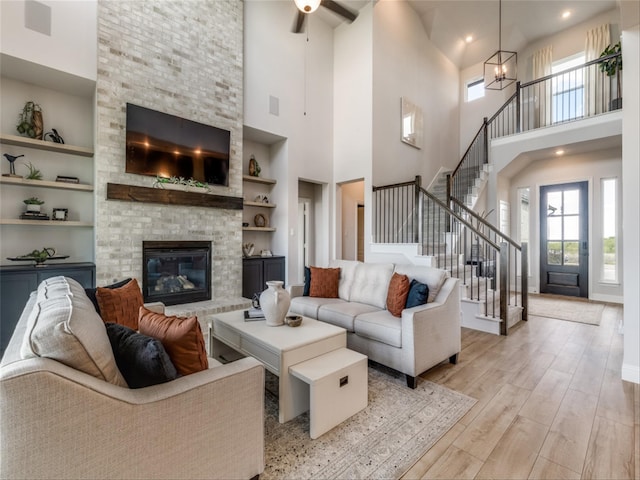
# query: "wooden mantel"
[132,193]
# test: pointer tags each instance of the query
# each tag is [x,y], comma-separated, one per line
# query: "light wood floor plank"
[568,437]
[516,452]
[529,375]
[485,431]
[610,453]
[546,470]
[545,400]
[431,457]
[616,399]
[454,463]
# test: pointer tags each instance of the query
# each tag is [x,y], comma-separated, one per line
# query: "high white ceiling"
[449,22]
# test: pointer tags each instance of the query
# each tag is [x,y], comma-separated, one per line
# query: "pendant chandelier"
[501,69]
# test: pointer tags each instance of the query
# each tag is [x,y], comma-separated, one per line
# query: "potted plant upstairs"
[611,67]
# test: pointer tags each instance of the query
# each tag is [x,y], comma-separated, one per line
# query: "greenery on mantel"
[161,181]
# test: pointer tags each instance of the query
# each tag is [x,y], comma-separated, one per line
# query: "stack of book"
[253,314]
[34,216]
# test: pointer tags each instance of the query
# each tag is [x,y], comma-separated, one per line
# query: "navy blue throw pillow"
[91,292]
[141,359]
[418,294]
[307,281]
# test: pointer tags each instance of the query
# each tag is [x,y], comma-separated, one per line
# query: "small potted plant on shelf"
[33,204]
[34,173]
[613,66]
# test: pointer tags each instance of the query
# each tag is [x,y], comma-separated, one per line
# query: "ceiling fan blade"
[339,9]
[299,22]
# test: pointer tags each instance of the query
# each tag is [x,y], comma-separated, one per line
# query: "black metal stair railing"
[487,265]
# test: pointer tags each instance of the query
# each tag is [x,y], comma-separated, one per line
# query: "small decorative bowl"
[293,320]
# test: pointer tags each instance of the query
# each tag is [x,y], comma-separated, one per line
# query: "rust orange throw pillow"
[397,294]
[120,305]
[181,337]
[324,282]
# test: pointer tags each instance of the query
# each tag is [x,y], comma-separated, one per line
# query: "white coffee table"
[278,348]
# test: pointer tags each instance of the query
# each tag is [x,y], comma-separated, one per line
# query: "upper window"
[568,88]
[475,90]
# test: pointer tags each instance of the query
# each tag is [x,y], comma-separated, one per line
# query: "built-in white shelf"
[27,142]
[259,204]
[45,223]
[258,229]
[46,184]
[267,181]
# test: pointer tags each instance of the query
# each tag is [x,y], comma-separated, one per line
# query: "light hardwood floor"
[550,405]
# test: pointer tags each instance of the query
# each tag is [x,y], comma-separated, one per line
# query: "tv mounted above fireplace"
[164,145]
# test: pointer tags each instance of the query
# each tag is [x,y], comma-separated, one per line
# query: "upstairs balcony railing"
[573,94]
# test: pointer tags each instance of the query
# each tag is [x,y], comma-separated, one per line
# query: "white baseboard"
[599,297]
[631,373]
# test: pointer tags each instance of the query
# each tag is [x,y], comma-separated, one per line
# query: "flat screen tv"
[164,145]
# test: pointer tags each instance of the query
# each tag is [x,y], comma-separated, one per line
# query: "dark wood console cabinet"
[258,270]
[17,282]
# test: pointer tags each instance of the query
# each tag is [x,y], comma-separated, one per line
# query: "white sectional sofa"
[421,338]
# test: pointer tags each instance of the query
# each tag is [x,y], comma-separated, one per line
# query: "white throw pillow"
[347,275]
[371,283]
[67,328]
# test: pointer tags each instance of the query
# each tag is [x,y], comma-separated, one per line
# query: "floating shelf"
[260,204]
[132,193]
[46,184]
[258,229]
[7,139]
[43,223]
[267,181]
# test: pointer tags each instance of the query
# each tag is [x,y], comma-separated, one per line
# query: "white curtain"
[542,60]
[596,82]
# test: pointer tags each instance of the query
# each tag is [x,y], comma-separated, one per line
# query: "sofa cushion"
[91,292]
[433,277]
[120,305]
[142,360]
[324,282]
[370,284]
[308,306]
[380,326]
[343,314]
[418,294]
[397,294]
[67,329]
[181,337]
[56,287]
[347,275]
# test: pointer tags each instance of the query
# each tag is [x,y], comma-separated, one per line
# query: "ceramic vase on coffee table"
[275,302]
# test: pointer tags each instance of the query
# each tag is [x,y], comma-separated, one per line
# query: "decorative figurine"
[254,167]
[12,167]
[54,136]
[30,121]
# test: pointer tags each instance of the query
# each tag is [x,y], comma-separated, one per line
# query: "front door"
[564,243]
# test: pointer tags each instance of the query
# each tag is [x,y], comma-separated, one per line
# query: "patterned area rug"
[382,441]
[563,308]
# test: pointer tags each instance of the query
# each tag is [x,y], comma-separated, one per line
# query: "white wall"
[631,197]
[352,195]
[281,64]
[406,64]
[590,167]
[72,45]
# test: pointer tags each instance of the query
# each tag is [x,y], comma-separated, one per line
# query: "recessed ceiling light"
[559,151]
[566,14]
[469,39]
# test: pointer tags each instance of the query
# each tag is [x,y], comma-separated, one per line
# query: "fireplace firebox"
[176,272]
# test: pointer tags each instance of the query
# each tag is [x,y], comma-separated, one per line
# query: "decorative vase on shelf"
[275,302]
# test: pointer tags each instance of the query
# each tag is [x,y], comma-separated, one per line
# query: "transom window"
[475,90]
